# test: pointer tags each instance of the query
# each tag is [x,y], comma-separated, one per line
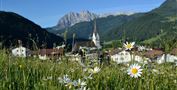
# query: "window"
[121,58]
[126,53]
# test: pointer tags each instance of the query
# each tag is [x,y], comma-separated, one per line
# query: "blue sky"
[46,13]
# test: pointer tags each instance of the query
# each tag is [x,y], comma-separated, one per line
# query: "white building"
[21,52]
[125,57]
[158,56]
[96,37]
[169,58]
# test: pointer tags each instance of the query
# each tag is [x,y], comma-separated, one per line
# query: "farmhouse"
[21,52]
[159,56]
[122,56]
[45,54]
[155,55]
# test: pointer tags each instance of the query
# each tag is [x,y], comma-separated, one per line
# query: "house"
[122,56]
[172,56]
[21,52]
[155,55]
[87,45]
[45,54]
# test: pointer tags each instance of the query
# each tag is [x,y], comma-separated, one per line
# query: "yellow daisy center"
[134,70]
[129,45]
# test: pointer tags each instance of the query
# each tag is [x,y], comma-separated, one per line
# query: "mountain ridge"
[15,27]
[136,27]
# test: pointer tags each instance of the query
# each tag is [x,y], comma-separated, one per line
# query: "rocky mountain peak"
[72,18]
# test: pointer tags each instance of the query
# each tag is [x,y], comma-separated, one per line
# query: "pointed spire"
[95,28]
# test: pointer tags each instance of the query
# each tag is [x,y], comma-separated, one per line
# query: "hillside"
[15,27]
[149,25]
[85,29]
[137,27]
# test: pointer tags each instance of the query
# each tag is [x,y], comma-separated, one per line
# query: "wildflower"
[135,71]
[49,78]
[95,70]
[72,70]
[75,83]
[129,46]
[85,69]
[60,80]
[66,79]
[20,66]
[155,71]
[88,77]
[70,84]
[44,79]
[81,83]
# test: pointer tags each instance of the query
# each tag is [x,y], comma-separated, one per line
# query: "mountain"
[72,18]
[138,26]
[15,27]
[84,29]
[160,20]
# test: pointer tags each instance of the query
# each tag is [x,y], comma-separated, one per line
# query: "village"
[88,44]
[91,50]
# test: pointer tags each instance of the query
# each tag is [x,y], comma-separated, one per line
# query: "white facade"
[125,57]
[96,37]
[169,58]
[20,52]
[96,40]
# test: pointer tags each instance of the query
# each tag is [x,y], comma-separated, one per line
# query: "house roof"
[50,51]
[77,45]
[115,51]
[153,53]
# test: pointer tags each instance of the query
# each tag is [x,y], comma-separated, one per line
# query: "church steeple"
[96,37]
[95,28]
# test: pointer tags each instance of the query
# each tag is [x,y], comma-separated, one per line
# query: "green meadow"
[34,74]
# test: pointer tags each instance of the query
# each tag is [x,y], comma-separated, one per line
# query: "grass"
[34,74]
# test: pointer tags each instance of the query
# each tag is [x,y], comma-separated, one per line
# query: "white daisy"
[66,79]
[95,70]
[81,83]
[135,71]
[129,46]
[69,85]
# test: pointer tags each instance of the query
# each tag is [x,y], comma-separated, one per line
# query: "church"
[96,37]
[92,44]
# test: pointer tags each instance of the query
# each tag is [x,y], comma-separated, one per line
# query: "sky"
[46,13]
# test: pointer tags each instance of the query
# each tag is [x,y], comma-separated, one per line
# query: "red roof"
[153,53]
[51,51]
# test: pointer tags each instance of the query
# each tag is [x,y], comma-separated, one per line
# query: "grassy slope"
[33,74]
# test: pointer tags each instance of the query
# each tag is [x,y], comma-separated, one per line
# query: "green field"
[34,74]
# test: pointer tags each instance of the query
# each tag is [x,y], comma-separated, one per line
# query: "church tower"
[96,37]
